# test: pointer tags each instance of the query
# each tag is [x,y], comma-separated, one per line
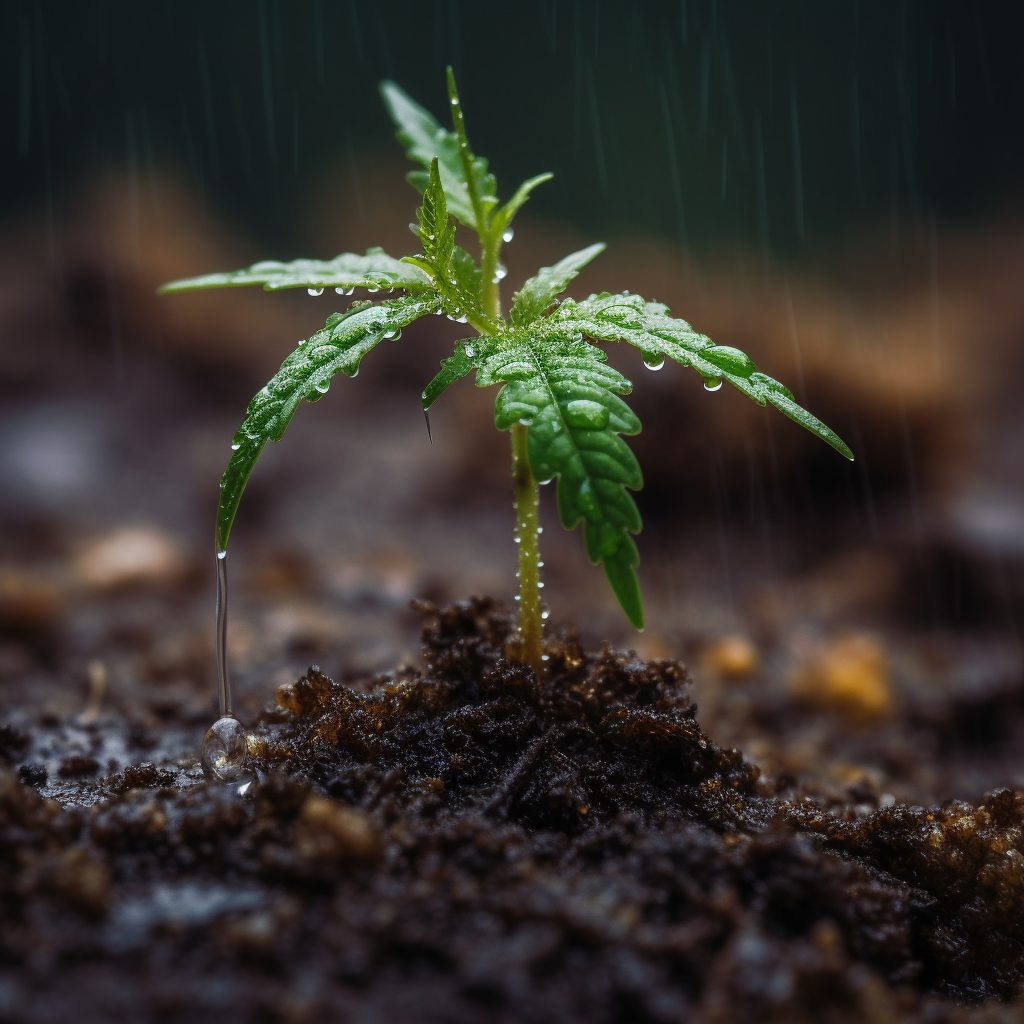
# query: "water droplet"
[712,383]
[315,291]
[732,360]
[373,287]
[339,291]
[545,614]
[519,540]
[508,235]
[349,291]
[540,529]
[500,272]
[539,584]
[235,445]
[323,386]
[470,351]
[393,335]
[438,312]
[585,414]
[654,362]
[225,751]
[462,319]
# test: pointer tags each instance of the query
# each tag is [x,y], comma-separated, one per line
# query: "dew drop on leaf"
[470,351]
[315,291]
[500,272]
[508,235]
[654,362]
[712,383]
[235,445]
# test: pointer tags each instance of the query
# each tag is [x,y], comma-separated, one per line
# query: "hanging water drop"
[462,319]
[339,290]
[235,445]
[315,291]
[712,383]
[323,386]
[373,287]
[225,747]
[508,235]
[224,750]
[500,272]
[654,362]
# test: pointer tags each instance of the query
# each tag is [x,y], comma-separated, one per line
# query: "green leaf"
[540,291]
[566,393]
[437,234]
[452,271]
[468,356]
[376,271]
[648,327]
[306,374]
[424,140]
[503,217]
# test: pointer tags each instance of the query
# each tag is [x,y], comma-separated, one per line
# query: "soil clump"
[472,844]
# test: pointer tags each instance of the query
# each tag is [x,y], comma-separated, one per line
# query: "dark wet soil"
[468,843]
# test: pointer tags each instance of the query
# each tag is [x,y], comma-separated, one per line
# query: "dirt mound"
[474,844]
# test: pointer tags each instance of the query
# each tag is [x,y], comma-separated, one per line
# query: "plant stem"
[526,502]
[526,492]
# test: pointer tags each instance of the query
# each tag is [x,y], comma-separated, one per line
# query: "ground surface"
[495,849]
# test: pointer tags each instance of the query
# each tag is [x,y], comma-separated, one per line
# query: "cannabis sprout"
[558,397]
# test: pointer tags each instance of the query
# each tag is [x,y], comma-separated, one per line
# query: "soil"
[471,844]
[437,836]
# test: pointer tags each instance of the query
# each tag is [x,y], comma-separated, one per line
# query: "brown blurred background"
[835,189]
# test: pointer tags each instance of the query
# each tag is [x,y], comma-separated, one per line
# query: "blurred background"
[835,188]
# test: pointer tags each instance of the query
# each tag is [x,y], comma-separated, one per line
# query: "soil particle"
[472,844]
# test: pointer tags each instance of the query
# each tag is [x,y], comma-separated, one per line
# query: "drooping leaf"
[549,282]
[648,326]
[376,271]
[569,397]
[424,140]
[306,374]
[468,355]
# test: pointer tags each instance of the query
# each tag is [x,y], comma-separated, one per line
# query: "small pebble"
[850,674]
[130,556]
[732,657]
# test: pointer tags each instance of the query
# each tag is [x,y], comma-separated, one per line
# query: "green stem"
[526,492]
[527,500]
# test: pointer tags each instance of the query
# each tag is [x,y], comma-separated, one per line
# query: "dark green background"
[832,113]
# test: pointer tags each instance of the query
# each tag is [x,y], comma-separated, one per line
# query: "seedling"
[558,397]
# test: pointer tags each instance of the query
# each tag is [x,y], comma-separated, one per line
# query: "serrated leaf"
[648,327]
[376,270]
[306,374]
[541,290]
[424,140]
[566,393]
[437,234]
[454,274]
